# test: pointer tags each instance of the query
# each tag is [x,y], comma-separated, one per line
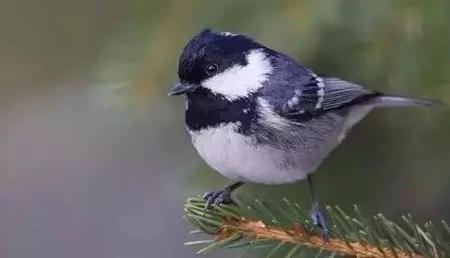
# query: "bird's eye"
[211,69]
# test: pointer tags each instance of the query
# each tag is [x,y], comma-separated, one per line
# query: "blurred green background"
[94,160]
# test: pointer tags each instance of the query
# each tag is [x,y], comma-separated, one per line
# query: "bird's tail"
[398,101]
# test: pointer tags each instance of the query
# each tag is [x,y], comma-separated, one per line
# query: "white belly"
[236,157]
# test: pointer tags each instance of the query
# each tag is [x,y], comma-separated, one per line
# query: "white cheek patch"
[239,81]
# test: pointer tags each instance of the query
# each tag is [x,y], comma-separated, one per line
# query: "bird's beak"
[182,88]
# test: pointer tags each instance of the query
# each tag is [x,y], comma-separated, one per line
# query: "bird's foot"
[319,220]
[217,198]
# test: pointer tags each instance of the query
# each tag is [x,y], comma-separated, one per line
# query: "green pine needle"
[284,228]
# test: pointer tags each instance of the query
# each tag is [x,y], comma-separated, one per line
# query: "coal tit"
[256,115]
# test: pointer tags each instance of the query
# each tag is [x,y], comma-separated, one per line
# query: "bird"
[257,115]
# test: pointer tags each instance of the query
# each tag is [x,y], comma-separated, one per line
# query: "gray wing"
[295,91]
[340,93]
[321,94]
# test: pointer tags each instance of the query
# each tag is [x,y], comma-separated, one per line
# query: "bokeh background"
[94,160]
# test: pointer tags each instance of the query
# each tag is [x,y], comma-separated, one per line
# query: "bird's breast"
[239,157]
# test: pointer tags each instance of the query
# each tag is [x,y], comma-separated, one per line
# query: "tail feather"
[398,101]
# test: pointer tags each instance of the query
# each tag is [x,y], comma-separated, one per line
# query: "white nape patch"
[239,81]
[320,91]
[238,157]
[269,117]
[228,34]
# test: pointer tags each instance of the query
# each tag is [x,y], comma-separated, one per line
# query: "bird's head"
[222,63]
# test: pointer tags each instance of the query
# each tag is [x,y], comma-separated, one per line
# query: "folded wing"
[321,94]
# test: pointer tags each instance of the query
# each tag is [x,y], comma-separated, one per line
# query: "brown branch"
[299,236]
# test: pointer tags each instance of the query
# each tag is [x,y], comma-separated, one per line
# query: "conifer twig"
[277,226]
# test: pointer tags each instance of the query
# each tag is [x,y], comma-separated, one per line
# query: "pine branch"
[264,224]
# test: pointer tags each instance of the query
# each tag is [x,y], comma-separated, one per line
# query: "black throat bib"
[205,110]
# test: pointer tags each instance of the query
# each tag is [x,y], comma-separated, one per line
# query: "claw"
[217,198]
[319,220]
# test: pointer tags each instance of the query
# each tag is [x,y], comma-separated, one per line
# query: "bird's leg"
[222,196]
[317,216]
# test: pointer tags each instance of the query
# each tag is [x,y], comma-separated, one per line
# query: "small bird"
[257,115]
